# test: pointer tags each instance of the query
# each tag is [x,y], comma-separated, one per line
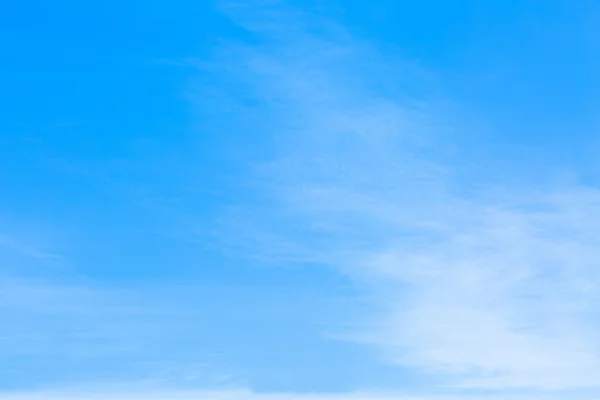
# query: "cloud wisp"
[486,289]
[494,287]
[241,394]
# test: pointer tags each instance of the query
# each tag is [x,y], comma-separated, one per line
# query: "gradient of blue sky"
[310,200]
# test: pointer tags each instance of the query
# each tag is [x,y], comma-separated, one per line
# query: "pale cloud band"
[492,288]
[249,395]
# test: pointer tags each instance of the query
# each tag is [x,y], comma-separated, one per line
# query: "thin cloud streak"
[243,394]
[489,288]
[11,243]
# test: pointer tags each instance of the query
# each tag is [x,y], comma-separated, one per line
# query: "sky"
[300,200]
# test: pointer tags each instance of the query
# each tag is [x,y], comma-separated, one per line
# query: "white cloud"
[241,394]
[495,287]
[507,301]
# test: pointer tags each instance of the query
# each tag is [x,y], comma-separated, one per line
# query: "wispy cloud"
[13,244]
[243,394]
[493,287]
[487,289]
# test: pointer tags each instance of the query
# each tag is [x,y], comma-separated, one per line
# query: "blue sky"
[300,200]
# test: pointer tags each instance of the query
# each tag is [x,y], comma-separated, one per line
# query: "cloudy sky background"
[309,200]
